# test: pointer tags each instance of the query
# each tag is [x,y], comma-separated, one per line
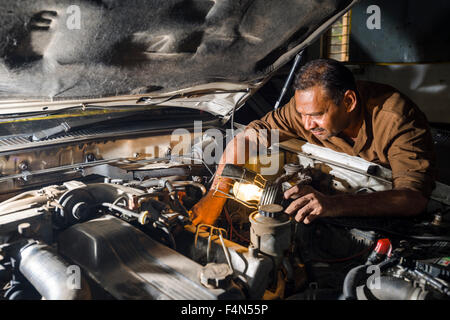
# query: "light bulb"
[247,192]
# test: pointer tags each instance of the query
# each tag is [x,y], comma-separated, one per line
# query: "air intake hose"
[51,276]
[391,288]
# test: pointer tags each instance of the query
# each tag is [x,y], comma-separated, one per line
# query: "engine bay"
[111,220]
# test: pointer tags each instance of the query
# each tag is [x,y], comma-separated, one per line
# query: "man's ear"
[350,101]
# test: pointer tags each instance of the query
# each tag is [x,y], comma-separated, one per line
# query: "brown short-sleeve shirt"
[394,134]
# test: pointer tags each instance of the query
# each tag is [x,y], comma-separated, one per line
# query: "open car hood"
[55,53]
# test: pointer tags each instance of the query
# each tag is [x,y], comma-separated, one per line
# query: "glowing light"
[247,192]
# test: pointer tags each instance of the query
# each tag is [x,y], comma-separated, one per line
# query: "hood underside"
[70,50]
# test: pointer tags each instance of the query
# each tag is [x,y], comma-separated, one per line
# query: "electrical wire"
[228,217]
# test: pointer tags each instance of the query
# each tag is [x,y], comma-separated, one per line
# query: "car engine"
[120,228]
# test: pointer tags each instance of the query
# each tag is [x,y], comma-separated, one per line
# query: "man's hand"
[309,204]
[208,209]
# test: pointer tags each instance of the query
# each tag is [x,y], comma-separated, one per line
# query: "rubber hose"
[351,281]
[48,273]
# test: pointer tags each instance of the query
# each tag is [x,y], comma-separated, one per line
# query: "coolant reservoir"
[270,230]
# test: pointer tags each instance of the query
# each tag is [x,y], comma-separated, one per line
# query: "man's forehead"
[311,100]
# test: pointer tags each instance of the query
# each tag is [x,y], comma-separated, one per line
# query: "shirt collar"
[362,139]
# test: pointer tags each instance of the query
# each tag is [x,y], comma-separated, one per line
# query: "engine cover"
[130,265]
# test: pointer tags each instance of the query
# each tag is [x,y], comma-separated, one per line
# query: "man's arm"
[310,204]
[208,209]
[238,151]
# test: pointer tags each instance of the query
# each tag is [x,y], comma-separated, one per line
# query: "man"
[365,119]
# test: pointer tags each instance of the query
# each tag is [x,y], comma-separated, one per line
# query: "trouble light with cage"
[246,187]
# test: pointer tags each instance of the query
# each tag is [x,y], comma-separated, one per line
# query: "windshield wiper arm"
[47,133]
[68,125]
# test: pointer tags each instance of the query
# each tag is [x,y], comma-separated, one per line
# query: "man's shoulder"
[384,102]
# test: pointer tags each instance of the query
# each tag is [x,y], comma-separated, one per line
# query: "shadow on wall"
[426,84]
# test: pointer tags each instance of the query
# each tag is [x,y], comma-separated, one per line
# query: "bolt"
[90,157]
[23,165]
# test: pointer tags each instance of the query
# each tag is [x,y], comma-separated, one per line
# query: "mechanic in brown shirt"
[365,119]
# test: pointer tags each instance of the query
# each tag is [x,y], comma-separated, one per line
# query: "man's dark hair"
[330,74]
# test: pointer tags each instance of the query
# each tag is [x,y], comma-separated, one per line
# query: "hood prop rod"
[298,57]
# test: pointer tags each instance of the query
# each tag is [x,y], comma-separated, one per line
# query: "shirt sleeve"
[281,120]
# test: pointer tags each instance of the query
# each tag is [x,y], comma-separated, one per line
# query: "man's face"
[319,113]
